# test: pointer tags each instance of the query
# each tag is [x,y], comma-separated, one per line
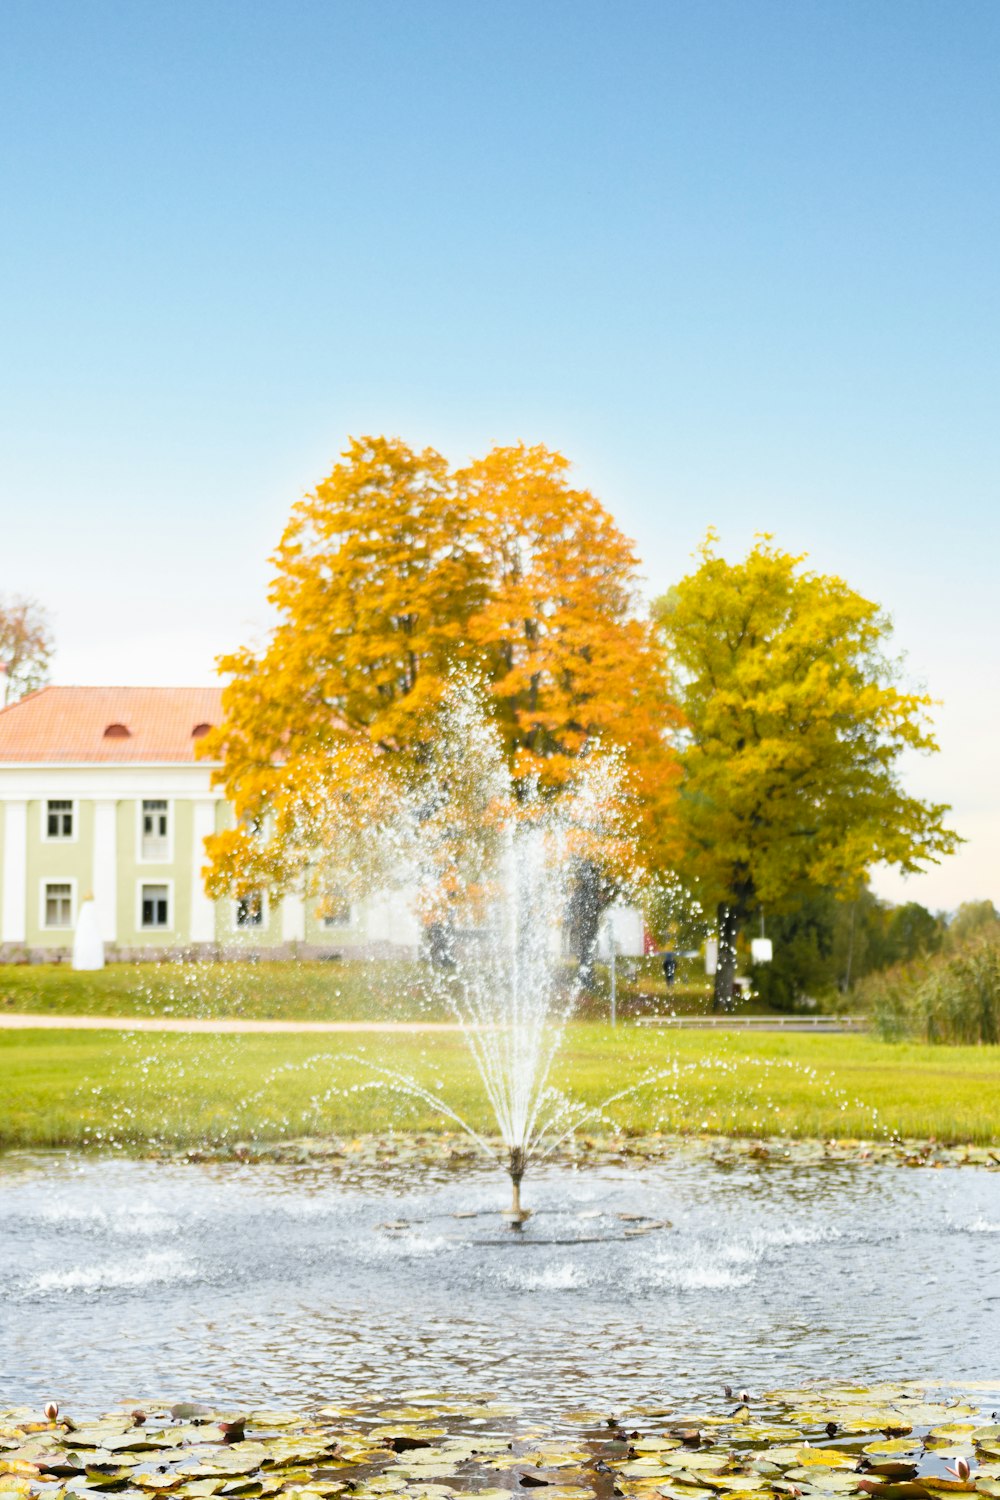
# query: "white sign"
[761,950]
[711,955]
[625,926]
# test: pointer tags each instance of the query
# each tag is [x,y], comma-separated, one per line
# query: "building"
[101,795]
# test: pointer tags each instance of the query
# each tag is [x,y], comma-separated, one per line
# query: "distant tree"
[26,646]
[912,932]
[973,919]
[858,936]
[870,934]
[804,963]
[392,573]
[827,943]
[794,726]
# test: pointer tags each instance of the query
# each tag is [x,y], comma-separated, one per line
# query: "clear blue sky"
[738,260]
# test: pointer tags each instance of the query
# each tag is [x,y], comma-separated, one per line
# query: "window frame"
[44,883]
[61,838]
[335,924]
[171,922]
[256,926]
[168,857]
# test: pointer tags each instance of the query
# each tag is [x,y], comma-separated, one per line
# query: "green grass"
[61,1088]
[387,990]
[340,990]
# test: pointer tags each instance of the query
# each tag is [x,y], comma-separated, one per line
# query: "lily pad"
[829,1458]
[894,1445]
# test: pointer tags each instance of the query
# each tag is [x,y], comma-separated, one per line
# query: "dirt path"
[217,1024]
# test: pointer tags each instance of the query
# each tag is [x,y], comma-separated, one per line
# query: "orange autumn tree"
[568,651]
[375,578]
[394,572]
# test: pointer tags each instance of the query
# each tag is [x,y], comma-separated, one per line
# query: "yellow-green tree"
[794,726]
[396,571]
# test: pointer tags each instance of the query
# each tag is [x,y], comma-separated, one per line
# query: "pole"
[614,982]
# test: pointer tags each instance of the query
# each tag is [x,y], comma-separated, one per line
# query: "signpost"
[622,932]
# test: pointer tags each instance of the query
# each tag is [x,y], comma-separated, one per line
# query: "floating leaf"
[829,1458]
[678,1489]
[645,1468]
[891,1489]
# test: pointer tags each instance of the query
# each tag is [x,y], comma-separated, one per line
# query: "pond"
[269,1284]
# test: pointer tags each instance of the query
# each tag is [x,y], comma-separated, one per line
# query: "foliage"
[953,998]
[973,918]
[561,636]
[394,573]
[803,965]
[824,945]
[26,646]
[794,725]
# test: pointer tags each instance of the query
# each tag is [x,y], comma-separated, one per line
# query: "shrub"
[951,998]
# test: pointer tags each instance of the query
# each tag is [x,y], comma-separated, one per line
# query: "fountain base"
[516,1216]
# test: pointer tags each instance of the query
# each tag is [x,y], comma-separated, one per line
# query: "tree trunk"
[846,985]
[439,944]
[725,971]
[586,906]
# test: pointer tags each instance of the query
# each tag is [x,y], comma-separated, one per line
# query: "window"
[58,903]
[155,906]
[250,910]
[155,829]
[335,912]
[59,819]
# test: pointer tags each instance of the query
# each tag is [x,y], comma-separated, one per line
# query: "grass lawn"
[387,989]
[294,991]
[139,1090]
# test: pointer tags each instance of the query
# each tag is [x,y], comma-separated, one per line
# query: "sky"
[738,261]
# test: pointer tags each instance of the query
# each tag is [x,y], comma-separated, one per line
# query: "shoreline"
[453,1150]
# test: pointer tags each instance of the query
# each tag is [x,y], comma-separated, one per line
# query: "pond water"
[279,1284]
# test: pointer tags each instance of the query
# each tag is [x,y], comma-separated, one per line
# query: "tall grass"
[950,998]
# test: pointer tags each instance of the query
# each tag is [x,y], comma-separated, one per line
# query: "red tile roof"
[68,725]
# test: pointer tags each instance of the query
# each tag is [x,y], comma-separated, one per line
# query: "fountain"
[491,864]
